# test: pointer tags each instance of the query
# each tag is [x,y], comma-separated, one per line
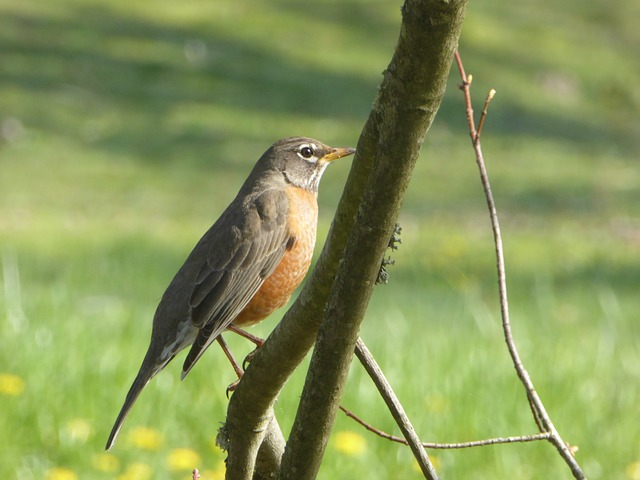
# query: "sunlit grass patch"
[77,430]
[140,148]
[633,471]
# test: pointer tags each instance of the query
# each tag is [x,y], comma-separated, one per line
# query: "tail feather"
[145,374]
[196,351]
[138,384]
[201,343]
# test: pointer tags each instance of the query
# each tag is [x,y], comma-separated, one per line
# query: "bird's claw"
[232,387]
[248,358]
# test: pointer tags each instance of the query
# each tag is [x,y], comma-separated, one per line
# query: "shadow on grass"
[97,61]
[71,71]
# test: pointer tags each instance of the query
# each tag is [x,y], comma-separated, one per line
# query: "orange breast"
[278,287]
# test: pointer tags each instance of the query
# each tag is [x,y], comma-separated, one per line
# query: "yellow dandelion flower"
[105,462]
[633,471]
[456,247]
[146,438]
[437,403]
[136,471]
[183,459]
[59,473]
[435,461]
[11,385]
[350,443]
[78,430]
[217,474]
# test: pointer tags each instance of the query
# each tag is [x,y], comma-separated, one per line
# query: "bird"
[246,265]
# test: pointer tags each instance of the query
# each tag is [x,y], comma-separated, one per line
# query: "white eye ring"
[307,151]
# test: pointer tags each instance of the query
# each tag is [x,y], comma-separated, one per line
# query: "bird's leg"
[252,338]
[233,362]
[243,333]
[225,348]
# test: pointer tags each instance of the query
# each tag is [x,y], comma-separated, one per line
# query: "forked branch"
[541,417]
[540,414]
[447,446]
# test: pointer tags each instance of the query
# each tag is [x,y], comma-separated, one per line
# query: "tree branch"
[292,338]
[395,407]
[539,412]
[447,446]
[270,452]
[407,102]
[408,99]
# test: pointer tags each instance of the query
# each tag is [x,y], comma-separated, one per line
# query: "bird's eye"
[306,151]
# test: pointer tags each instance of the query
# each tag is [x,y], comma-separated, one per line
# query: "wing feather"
[237,265]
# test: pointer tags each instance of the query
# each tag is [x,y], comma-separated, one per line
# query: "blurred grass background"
[126,128]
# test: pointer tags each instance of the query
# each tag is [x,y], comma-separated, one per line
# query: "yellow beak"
[337,153]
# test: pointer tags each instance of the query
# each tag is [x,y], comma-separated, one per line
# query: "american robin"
[247,265]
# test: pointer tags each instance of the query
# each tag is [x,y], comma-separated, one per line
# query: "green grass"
[126,127]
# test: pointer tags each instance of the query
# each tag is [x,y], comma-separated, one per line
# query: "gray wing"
[243,251]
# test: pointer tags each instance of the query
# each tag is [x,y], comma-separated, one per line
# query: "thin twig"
[540,414]
[483,115]
[445,446]
[395,407]
[466,83]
